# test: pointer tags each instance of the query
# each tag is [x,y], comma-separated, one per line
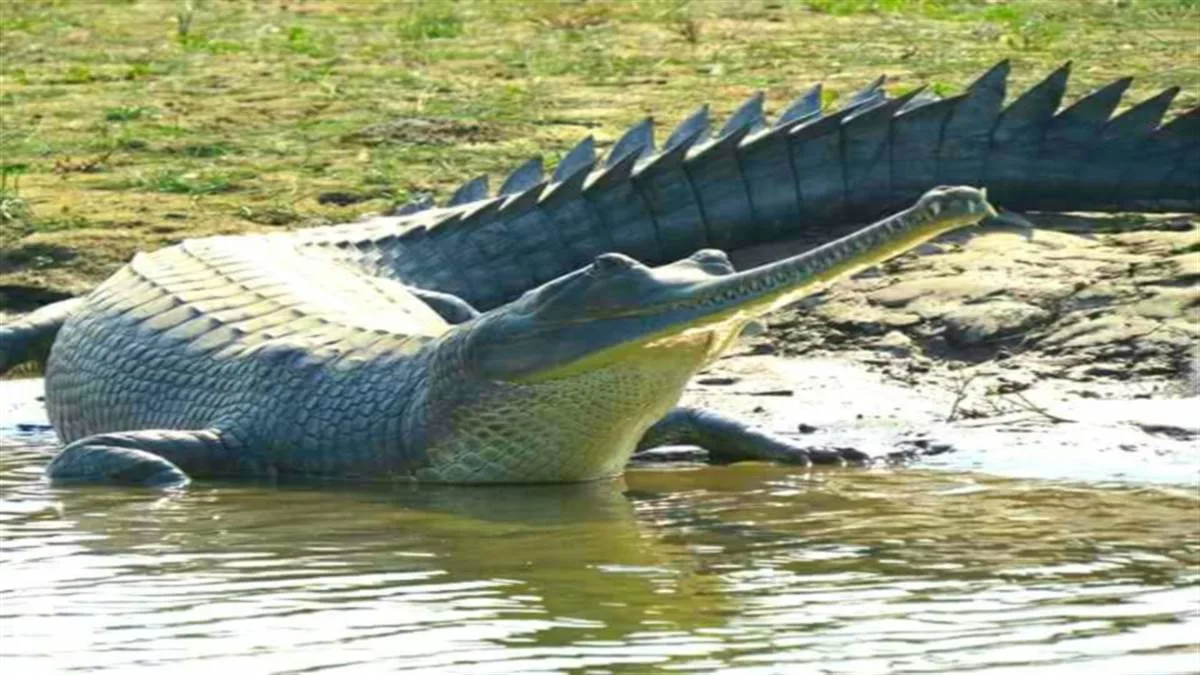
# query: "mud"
[1045,432]
[1068,353]
[423,131]
[1109,312]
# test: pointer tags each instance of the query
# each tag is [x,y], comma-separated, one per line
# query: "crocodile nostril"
[710,254]
[713,260]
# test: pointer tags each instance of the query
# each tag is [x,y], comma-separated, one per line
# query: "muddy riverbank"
[1070,352]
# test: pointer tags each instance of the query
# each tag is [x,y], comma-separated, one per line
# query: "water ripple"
[744,569]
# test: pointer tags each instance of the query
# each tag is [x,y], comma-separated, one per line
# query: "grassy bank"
[128,125]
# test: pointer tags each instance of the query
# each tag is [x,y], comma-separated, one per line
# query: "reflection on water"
[743,569]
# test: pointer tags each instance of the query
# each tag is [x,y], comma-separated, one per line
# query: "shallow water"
[742,569]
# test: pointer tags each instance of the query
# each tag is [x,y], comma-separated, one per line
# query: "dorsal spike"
[422,202]
[723,143]
[689,131]
[521,202]
[582,154]
[614,173]
[639,140]
[671,155]
[1183,130]
[748,116]
[924,96]
[470,191]
[483,211]
[526,176]
[966,135]
[871,93]
[885,106]
[1096,106]
[1142,118]
[819,126]
[946,103]
[808,104]
[1034,108]
[768,136]
[1079,125]
[568,186]
[993,82]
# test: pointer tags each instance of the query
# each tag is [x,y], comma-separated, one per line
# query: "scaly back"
[809,175]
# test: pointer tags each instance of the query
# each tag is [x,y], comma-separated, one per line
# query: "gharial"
[514,338]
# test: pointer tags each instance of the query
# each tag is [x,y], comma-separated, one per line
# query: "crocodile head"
[617,310]
[560,384]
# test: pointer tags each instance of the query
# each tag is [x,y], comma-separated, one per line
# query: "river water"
[741,569]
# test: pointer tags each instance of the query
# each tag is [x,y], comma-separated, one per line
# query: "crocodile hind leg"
[730,440]
[28,339]
[159,458]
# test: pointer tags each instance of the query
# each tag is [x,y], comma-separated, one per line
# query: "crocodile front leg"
[730,440]
[450,307]
[157,458]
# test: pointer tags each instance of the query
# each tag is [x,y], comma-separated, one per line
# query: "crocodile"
[545,333]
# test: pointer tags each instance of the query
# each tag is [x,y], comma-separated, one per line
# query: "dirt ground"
[1067,352]
[1101,304]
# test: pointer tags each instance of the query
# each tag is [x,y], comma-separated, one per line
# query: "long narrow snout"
[762,289]
[709,310]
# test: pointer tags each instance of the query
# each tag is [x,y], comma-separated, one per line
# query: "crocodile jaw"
[720,306]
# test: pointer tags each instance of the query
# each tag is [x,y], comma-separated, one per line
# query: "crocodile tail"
[811,175]
[28,339]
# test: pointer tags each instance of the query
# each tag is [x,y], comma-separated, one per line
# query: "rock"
[1010,384]
[971,325]
[342,197]
[1105,329]
[861,318]
[939,290]
[919,366]
[896,343]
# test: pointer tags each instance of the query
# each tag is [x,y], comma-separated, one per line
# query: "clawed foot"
[96,463]
[792,452]
[728,440]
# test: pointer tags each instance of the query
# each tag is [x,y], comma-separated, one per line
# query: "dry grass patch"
[157,120]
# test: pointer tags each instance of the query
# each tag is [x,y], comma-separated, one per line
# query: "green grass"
[177,181]
[127,113]
[221,117]
[14,209]
[438,22]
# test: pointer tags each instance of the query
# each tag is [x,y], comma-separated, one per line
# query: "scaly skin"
[303,366]
[238,356]
[810,176]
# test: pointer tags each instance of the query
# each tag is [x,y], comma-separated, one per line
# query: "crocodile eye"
[607,263]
